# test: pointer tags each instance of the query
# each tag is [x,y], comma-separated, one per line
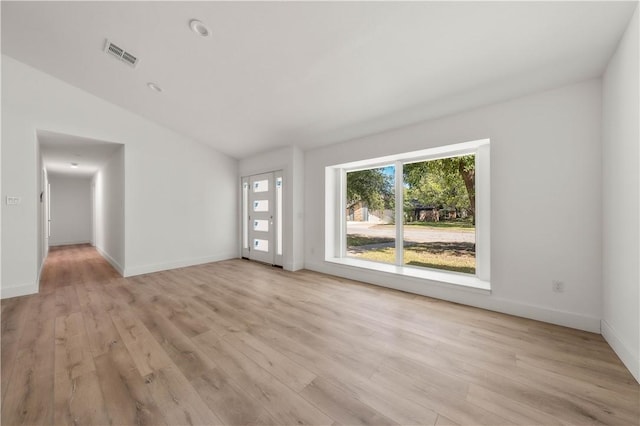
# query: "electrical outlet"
[558,286]
[12,201]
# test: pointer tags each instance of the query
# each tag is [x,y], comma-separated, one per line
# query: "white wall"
[545,202]
[620,203]
[42,215]
[109,194]
[180,195]
[71,210]
[42,182]
[291,161]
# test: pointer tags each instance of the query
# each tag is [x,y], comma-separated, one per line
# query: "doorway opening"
[82,204]
[261,217]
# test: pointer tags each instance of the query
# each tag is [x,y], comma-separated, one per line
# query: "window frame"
[335,213]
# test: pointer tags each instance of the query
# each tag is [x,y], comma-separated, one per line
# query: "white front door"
[262,218]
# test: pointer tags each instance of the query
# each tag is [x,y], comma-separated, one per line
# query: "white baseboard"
[16,291]
[26,289]
[460,294]
[111,260]
[147,269]
[624,352]
[69,243]
[23,290]
[293,266]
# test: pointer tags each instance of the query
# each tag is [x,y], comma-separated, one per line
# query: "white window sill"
[464,281]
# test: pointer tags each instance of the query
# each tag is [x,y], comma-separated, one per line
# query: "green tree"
[372,187]
[447,182]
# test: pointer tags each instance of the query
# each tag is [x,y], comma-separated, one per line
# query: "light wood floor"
[240,343]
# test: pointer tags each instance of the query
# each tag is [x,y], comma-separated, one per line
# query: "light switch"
[13,200]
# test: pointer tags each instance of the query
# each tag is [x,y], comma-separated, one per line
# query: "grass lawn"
[355,240]
[454,225]
[450,256]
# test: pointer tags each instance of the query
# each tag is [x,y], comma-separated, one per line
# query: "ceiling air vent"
[121,54]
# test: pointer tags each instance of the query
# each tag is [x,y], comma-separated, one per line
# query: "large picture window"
[425,210]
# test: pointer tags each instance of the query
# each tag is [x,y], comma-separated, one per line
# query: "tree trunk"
[469,178]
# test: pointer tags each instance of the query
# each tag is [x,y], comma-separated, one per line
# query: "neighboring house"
[359,212]
[422,213]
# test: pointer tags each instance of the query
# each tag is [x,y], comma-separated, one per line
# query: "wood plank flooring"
[240,343]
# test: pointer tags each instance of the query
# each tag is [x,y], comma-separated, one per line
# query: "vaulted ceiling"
[311,73]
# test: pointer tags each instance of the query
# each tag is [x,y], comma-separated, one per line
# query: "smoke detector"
[118,52]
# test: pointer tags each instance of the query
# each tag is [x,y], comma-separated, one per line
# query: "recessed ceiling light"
[199,28]
[154,87]
[74,165]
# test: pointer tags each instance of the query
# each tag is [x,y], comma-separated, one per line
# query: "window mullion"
[399,212]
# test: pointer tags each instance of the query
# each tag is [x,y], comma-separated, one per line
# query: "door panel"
[261,210]
[261,214]
[261,225]
[261,206]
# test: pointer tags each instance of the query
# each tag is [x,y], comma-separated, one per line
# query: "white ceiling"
[59,151]
[312,73]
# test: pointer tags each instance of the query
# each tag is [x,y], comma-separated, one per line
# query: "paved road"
[416,234]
